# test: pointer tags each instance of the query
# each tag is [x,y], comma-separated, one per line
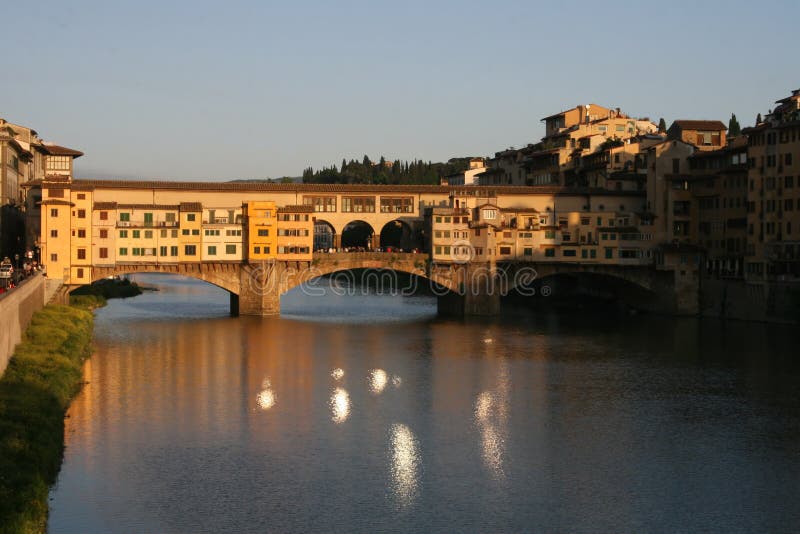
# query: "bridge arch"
[224,276]
[359,234]
[414,264]
[325,236]
[398,234]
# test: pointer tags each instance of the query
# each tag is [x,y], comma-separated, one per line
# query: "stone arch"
[358,233]
[399,235]
[628,285]
[224,276]
[325,235]
[413,264]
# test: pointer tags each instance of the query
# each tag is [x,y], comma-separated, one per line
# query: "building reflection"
[377,380]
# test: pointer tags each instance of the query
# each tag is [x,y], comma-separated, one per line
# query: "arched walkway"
[324,236]
[359,235]
[397,235]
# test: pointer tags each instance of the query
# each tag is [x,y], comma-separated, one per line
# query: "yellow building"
[261,236]
[295,231]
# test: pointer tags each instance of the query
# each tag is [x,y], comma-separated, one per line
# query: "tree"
[758,119]
[662,125]
[733,126]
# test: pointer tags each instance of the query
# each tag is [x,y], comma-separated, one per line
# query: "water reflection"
[405,464]
[377,381]
[340,405]
[266,397]
[491,416]
[337,373]
[396,381]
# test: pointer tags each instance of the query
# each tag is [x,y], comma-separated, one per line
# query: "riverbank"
[42,377]
[109,288]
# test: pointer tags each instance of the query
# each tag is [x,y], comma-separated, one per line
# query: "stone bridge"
[462,289]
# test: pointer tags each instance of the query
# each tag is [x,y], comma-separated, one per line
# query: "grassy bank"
[43,376]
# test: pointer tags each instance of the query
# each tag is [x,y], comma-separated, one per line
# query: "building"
[773,218]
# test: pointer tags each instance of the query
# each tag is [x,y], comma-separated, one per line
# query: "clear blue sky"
[224,90]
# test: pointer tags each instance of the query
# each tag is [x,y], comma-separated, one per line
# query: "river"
[368,413]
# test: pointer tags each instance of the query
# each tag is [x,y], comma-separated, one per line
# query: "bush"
[44,374]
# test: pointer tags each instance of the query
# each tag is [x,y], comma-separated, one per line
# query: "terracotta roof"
[105,206]
[56,178]
[153,206]
[55,201]
[296,208]
[479,190]
[519,210]
[190,206]
[700,125]
[56,150]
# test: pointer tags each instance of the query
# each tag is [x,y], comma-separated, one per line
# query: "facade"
[773,220]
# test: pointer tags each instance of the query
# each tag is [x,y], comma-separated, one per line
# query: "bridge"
[461,289]
[258,241]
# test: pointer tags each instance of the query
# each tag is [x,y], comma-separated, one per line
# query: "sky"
[230,90]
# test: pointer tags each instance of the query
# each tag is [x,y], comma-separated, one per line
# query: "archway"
[324,236]
[592,290]
[398,236]
[358,235]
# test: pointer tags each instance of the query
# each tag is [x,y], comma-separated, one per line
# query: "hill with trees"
[385,172]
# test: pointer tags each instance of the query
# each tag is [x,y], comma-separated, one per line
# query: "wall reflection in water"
[219,424]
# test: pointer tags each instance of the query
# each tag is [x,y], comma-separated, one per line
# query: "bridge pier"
[478,293]
[259,290]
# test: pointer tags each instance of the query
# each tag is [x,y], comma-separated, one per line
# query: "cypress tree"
[662,125]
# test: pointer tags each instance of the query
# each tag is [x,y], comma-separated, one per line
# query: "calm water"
[370,414]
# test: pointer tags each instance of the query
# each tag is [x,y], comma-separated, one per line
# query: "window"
[321,204]
[137,234]
[185,231]
[489,214]
[191,217]
[527,251]
[505,250]
[550,252]
[212,250]
[190,250]
[358,204]
[123,234]
[593,253]
[569,252]
[549,234]
[125,217]
[195,231]
[53,233]
[162,251]
[81,214]
[103,234]
[397,205]
[173,251]
[148,234]
[103,215]
[81,253]
[174,233]
[53,212]
[81,233]
[79,272]
[263,232]
[609,253]
[230,249]
[123,251]
[163,233]
[676,165]
[103,252]
[148,219]
[169,217]
[256,250]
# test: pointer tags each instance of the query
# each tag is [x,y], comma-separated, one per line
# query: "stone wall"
[16,309]
[777,302]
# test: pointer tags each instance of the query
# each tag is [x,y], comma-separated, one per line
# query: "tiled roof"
[56,150]
[56,202]
[478,190]
[296,208]
[105,206]
[190,206]
[700,125]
